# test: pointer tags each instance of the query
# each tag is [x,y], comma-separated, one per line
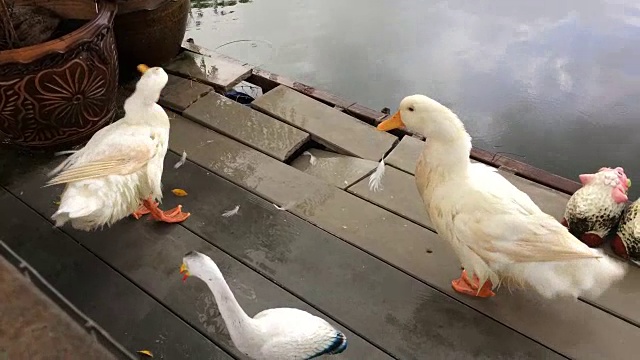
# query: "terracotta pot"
[59,93]
[149,31]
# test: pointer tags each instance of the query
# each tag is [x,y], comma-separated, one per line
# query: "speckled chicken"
[595,209]
[626,242]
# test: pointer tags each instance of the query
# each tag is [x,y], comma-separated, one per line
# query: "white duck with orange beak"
[118,172]
[498,233]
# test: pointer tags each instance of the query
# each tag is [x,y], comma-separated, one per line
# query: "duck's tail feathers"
[587,276]
[78,210]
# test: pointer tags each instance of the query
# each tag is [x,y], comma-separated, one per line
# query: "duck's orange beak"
[391,123]
[142,68]
[184,271]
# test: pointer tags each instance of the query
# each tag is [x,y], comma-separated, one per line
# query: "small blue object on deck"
[240,97]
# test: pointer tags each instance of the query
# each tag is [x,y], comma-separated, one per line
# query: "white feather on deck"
[182,160]
[312,159]
[286,206]
[231,212]
[375,180]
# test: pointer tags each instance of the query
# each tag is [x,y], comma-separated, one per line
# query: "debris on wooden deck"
[370,263]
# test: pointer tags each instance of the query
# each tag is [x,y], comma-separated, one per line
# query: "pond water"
[555,84]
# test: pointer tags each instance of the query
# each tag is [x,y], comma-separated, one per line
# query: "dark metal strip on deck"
[130,316]
[149,255]
[43,285]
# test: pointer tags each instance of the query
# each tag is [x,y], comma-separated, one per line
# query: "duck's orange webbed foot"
[465,286]
[142,211]
[174,215]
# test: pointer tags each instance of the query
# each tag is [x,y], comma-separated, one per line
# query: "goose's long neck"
[237,321]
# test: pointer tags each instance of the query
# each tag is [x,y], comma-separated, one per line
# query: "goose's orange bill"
[142,68]
[184,271]
[391,123]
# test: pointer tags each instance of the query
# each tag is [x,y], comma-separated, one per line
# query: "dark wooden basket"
[59,93]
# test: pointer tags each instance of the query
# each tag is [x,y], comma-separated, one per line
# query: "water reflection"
[556,83]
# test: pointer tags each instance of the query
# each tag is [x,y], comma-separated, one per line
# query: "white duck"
[121,165]
[496,230]
[272,334]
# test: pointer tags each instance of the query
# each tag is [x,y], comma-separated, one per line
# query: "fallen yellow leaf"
[145,352]
[179,192]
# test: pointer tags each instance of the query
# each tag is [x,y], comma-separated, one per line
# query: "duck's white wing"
[501,224]
[120,153]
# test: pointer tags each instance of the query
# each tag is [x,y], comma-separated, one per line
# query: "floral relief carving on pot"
[62,98]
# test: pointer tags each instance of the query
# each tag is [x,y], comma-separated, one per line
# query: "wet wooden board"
[404,156]
[337,169]
[250,127]
[325,124]
[179,93]
[209,67]
[132,317]
[386,306]
[570,327]
[149,254]
[268,81]
[399,194]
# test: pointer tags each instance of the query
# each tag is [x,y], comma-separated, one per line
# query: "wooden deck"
[370,263]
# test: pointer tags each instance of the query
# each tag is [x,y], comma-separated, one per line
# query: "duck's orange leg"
[174,215]
[465,286]
[142,210]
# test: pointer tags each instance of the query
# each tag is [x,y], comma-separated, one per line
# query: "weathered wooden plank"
[332,128]
[209,67]
[525,170]
[405,155]
[250,127]
[268,81]
[179,93]
[573,328]
[337,169]
[287,250]
[149,254]
[399,195]
[365,114]
[132,317]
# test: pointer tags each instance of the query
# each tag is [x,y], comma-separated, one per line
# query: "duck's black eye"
[410,108]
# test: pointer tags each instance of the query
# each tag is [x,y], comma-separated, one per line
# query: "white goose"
[272,334]
[121,165]
[497,231]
